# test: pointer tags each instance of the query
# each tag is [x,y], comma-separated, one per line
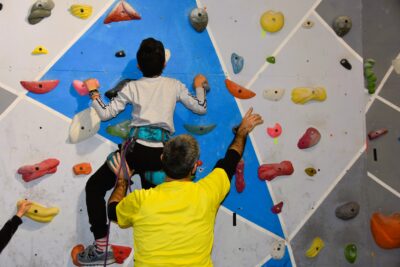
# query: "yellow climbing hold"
[81,11]
[40,50]
[272,21]
[40,213]
[316,246]
[302,95]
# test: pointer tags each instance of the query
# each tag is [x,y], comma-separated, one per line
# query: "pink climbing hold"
[270,171]
[80,87]
[375,134]
[276,209]
[275,131]
[310,138]
[40,87]
[239,183]
[32,172]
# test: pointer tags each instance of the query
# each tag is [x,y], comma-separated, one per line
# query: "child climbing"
[153,98]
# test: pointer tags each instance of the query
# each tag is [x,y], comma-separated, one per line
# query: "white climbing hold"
[84,125]
[273,94]
[396,65]
[278,249]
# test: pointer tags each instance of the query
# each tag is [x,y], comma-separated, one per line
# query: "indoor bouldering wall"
[296,80]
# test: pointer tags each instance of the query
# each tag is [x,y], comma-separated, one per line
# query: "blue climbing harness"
[149,133]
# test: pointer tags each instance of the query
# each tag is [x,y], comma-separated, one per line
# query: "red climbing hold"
[40,87]
[80,87]
[122,12]
[375,134]
[275,131]
[270,171]
[310,138]
[238,91]
[32,172]
[120,253]
[276,209]
[240,184]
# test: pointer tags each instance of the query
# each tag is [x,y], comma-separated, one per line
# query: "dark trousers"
[140,159]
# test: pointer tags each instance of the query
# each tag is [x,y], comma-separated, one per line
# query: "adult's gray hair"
[179,156]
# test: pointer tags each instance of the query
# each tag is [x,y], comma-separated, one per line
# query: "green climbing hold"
[350,253]
[369,75]
[120,129]
[271,60]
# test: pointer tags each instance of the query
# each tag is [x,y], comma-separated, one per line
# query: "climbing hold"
[239,175]
[377,133]
[345,63]
[74,253]
[350,253]
[273,94]
[167,55]
[316,246]
[237,63]
[369,75]
[302,95]
[275,131]
[84,124]
[121,129]
[1,6]
[41,9]
[396,65]
[120,253]
[122,12]
[155,177]
[82,168]
[40,87]
[342,25]
[199,19]
[270,171]
[32,172]
[40,213]
[310,171]
[276,209]
[39,50]
[308,24]
[310,138]
[199,129]
[120,53]
[386,230]
[272,21]
[347,211]
[81,11]
[80,87]
[270,59]
[238,91]
[113,92]
[278,249]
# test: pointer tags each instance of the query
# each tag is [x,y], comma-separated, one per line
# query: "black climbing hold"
[234,219]
[110,94]
[1,6]
[347,211]
[120,53]
[375,155]
[345,63]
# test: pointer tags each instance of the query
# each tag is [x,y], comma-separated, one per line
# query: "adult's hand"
[249,122]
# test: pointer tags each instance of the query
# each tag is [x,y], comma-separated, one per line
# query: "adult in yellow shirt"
[173,223]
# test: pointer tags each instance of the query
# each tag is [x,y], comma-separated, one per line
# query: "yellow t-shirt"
[173,223]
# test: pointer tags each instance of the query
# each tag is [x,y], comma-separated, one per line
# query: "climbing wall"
[34,127]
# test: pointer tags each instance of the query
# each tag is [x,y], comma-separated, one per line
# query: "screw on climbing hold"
[113,92]
[120,53]
[301,95]
[369,75]
[310,171]
[121,129]
[273,94]
[237,63]
[40,9]
[377,133]
[198,19]
[386,230]
[308,24]
[40,87]
[316,246]
[199,129]
[396,65]
[276,209]
[310,138]
[1,6]
[39,50]
[239,176]
[347,211]
[81,11]
[122,11]
[234,219]
[270,59]
[278,249]
[275,131]
[345,63]
[238,91]
[350,253]
[270,171]
[272,21]
[342,25]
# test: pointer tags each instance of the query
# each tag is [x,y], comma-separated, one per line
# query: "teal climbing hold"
[350,253]
[120,129]
[199,129]
[237,63]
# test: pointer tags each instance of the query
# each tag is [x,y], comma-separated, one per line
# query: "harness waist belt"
[148,133]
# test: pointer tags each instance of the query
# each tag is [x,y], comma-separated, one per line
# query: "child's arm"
[198,103]
[110,110]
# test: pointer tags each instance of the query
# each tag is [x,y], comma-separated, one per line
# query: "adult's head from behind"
[151,57]
[179,156]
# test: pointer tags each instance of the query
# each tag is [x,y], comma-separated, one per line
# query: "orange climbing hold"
[40,87]
[386,230]
[82,168]
[74,253]
[238,91]
[122,12]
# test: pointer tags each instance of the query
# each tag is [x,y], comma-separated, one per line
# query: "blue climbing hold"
[237,63]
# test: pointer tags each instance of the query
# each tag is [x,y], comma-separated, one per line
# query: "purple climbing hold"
[237,63]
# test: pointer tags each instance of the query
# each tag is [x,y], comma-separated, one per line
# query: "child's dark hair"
[151,57]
